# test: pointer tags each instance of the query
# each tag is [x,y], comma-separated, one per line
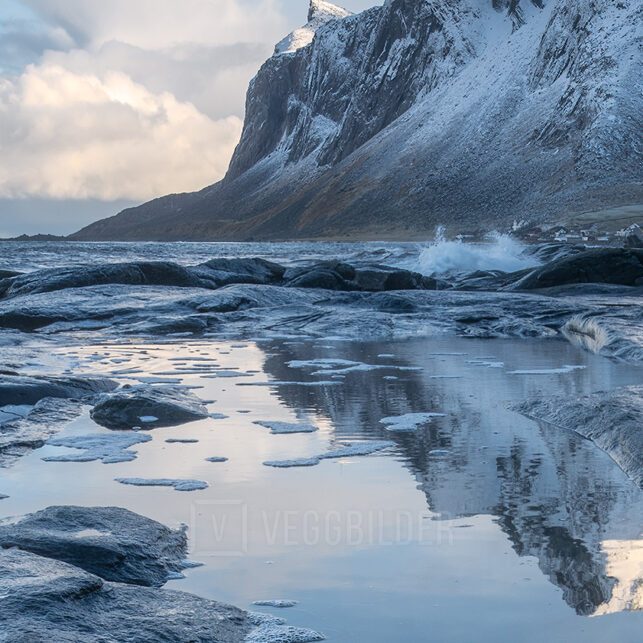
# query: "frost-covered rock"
[148,407]
[612,420]
[110,542]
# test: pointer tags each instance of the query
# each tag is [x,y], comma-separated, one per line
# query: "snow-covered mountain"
[467,113]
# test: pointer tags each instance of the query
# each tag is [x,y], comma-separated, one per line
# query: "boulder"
[606,266]
[113,543]
[148,407]
[151,273]
[44,600]
[19,389]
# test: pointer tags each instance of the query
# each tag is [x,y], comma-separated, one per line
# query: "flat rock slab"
[613,420]
[110,542]
[44,600]
[18,389]
[148,407]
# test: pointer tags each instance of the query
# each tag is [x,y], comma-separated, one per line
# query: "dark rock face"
[44,600]
[17,389]
[613,420]
[607,266]
[148,407]
[412,114]
[335,275]
[20,436]
[110,542]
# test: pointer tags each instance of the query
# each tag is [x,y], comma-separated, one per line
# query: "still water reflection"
[480,524]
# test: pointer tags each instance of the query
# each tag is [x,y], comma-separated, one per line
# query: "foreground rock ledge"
[44,600]
[113,543]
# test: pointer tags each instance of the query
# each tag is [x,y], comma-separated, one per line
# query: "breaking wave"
[500,252]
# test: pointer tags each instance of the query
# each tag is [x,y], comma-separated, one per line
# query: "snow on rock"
[319,13]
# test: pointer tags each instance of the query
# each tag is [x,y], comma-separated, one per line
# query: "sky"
[109,103]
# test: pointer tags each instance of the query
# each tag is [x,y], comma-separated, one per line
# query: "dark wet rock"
[29,390]
[612,420]
[253,270]
[113,543]
[391,302]
[48,416]
[634,237]
[137,273]
[334,275]
[148,407]
[44,600]
[7,274]
[169,325]
[606,266]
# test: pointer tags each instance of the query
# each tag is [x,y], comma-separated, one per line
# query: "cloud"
[128,99]
[154,24]
[80,136]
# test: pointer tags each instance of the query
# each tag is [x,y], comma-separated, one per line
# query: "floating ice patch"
[408,421]
[216,458]
[347,449]
[219,416]
[147,419]
[272,633]
[386,355]
[487,363]
[158,380]
[439,452]
[279,602]
[181,440]
[330,366]
[216,374]
[178,485]
[566,368]
[108,448]
[292,383]
[286,427]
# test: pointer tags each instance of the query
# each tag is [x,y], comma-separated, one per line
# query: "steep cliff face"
[469,113]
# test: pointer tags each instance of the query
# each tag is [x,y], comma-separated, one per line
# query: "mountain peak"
[325,11]
[319,13]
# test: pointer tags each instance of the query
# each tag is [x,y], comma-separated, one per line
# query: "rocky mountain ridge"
[468,113]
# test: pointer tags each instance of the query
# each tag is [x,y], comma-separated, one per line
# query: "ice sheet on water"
[333,366]
[408,421]
[177,484]
[278,602]
[565,368]
[109,448]
[286,427]
[345,450]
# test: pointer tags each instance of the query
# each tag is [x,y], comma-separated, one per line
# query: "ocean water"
[476,524]
[438,255]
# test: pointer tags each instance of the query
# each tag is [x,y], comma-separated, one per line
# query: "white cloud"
[129,99]
[71,135]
